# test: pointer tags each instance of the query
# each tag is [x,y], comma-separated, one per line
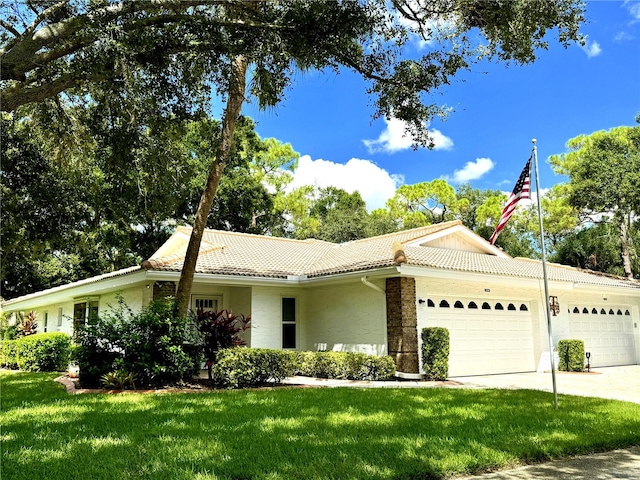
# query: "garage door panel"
[608,337]
[483,342]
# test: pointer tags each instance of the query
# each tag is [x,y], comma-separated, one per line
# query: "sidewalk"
[616,465]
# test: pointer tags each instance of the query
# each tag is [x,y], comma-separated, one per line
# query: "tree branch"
[9,27]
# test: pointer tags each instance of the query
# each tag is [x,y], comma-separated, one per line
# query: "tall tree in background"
[604,173]
[172,50]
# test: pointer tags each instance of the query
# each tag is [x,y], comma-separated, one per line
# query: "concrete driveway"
[619,383]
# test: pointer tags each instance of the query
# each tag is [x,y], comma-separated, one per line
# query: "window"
[430,303]
[486,306]
[288,322]
[584,310]
[603,311]
[458,304]
[83,313]
[46,321]
[523,308]
[626,312]
[619,312]
[576,310]
[511,307]
[499,306]
[473,305]
[208,303]
[444,304]
[611,311]
[79,315]
[59,318]
[594,311]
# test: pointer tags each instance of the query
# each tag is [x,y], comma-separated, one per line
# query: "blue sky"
[498,110]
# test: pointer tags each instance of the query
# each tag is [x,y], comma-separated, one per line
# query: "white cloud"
[623,37]
[634,9]
[592,49]
[471,171]
[375,184]
[394,139]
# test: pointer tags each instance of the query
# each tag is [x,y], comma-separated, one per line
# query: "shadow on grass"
[300,433]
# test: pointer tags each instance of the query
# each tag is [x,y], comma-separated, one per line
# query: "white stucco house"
[375,295]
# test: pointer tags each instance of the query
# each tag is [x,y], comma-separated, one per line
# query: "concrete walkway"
[617,383]
[616,465]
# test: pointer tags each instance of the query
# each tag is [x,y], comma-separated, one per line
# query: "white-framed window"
[59,318]
[289,323]
[46,322]
[84,312]
[208,303]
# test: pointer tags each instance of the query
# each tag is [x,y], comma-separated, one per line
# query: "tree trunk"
[625,247]
[235,99]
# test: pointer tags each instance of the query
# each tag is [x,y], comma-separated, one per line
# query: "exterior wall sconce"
[554,305]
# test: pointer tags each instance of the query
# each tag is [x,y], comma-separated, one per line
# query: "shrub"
[220,330]
[345,365]
[252,367]
[435,353]
[43,352]
[154,345]
[8,357]
[118,380]
[571,355]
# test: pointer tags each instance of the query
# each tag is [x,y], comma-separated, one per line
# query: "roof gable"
[457,237]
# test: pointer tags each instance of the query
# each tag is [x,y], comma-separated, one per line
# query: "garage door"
[486,337]
[607,332]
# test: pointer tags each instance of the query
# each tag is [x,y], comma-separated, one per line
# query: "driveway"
[618,383]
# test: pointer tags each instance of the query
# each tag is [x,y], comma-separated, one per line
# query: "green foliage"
[595,247]
[252,367]
[571,355]
[345,365]
[43,352]
[604,173]
[435,353]
[154,345]
[8,358]
[118,380]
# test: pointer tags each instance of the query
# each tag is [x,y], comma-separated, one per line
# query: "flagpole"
[544,274]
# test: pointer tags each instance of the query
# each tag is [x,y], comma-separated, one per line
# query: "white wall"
[266,316]
[347,317]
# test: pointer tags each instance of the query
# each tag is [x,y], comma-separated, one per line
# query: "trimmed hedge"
[345,365]
[435,353]
[8,354]
[43,352]
[571,355]
[241,367]
[252,367]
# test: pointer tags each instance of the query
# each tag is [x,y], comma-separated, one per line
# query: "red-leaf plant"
[220,330]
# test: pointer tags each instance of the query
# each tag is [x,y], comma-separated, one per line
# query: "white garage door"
[486,337]
[607,333]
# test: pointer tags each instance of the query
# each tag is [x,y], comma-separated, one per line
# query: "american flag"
[520,191]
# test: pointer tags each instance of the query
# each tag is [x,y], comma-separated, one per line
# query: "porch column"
[402,323]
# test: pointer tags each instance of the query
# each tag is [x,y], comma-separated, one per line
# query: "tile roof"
[229,253]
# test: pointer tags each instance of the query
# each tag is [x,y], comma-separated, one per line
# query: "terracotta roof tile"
[261,256]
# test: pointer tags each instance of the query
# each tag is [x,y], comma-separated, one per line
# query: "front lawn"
[294,432]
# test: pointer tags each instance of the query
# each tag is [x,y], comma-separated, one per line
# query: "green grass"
[295,433]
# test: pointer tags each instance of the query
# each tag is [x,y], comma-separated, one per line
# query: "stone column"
[402,323]
[163,290]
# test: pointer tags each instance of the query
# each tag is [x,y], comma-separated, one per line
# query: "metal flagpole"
[544,274]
